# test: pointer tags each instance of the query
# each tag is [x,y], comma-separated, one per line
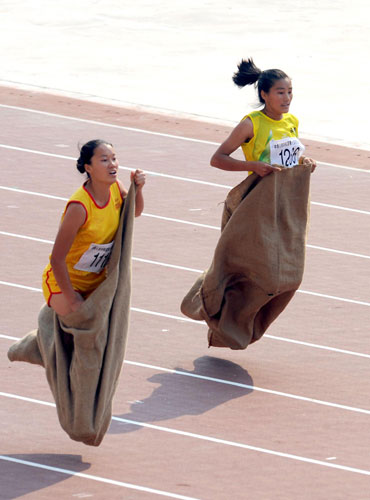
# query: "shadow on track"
[179,395]
[19,479]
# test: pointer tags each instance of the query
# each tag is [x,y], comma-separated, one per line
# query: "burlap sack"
[259,259]
[83,352]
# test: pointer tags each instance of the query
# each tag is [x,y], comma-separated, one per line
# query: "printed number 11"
[97,259]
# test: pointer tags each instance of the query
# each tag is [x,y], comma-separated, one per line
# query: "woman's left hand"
[304,160]
[138,177]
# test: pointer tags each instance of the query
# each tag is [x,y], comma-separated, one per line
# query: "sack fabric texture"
[259,259]
[83,352]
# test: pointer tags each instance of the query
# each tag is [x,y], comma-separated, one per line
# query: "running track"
[286,419]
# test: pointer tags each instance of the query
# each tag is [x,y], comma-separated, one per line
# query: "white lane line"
[246,386]
[334,297]
[344,167]
[37,152]
[150,132]
[158,174]
[266,335]
[315,247]
[171,266]
[180,221]
[306,292]
[136,259]
[252,387]
[219,441]
[246,446]
[111,125]
[179,178]
[315,294]
[326,205]
[8,337]
[24,237]
[318,346]
[99,479]
[34,193]
[170,219]
[337,207]
[163,315]
[28,400]
[24,287]
[341,252]
[274,337]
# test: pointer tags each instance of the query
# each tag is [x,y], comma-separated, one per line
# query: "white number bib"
[95,258]
[286,152]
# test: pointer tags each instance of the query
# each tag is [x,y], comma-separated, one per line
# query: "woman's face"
[103,165]
[278,98]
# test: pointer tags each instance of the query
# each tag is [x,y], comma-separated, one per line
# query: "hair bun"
[80,165]
[87,152]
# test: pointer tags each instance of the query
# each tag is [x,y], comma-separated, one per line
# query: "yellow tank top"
[91,248]
[265,132]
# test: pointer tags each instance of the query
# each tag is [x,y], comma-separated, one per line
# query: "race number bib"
[95,258]
[286,152]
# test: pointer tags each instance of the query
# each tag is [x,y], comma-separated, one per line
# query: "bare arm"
[222,159]
[74,218]
[139,178]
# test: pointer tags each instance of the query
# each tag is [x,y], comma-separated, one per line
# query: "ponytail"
[249,74]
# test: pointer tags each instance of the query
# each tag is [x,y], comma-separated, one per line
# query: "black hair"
[249,74]
[87,152]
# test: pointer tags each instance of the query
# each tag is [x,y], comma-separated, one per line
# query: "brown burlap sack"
[259,259]
[83,352]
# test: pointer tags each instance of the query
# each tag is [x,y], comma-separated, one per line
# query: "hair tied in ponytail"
[247,73]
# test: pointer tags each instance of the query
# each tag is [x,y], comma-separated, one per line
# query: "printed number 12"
[288,158]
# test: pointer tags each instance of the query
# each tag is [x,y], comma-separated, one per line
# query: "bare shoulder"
[245,128]
[240,134]
[75,214]
[74,218]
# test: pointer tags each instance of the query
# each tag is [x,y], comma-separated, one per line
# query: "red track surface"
[286,419]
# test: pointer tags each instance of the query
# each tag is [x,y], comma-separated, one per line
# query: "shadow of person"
[21,475]
[184,394]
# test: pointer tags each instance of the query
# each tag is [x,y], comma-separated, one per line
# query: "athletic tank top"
[274,141]
[92,246]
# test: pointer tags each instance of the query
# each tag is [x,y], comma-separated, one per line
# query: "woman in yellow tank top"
[89,223]
[269,137]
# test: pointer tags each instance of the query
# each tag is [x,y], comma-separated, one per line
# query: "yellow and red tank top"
[91,248]
[274,141]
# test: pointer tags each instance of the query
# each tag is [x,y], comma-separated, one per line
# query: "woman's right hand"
[262,169]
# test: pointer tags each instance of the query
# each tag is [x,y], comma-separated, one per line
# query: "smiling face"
[103,166]
[278,98]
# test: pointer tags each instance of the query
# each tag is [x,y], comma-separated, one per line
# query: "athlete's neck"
[272,114]
[100,192]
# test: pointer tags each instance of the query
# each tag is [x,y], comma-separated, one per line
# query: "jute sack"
[83,352]
[258,262]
